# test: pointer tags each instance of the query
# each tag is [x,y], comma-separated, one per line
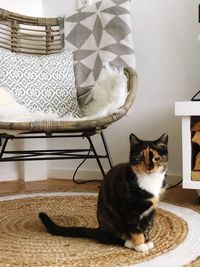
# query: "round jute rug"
[25,242]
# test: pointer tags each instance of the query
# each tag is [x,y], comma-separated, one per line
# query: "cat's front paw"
[150,244]
[140,248]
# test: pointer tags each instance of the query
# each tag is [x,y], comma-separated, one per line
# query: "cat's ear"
[163,139]
[134,140]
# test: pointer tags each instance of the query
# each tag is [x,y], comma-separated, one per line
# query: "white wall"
[25,7]
[52,8]
[168,63]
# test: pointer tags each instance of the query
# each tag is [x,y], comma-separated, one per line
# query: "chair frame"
[55,154]
[43,36]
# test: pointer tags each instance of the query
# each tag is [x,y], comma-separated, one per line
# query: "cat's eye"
[157,158]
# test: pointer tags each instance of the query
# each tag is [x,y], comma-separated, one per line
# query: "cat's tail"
[81,232]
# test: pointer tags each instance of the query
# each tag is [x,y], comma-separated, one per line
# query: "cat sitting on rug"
[127,200]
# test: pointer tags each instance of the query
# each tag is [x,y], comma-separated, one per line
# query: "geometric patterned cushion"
[100,33]
[41,83]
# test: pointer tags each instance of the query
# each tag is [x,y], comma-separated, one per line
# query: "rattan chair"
[43,36]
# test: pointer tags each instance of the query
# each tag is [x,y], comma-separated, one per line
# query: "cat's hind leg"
[137,242]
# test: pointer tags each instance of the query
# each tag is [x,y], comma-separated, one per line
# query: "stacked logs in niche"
[196,151]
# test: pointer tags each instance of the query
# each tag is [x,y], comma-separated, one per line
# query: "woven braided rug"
[25,242]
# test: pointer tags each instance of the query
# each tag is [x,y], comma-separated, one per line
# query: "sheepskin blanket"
[106,97]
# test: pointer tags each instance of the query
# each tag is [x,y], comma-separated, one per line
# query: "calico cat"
[128,198]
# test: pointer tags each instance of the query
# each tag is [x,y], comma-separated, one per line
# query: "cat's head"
[148,157]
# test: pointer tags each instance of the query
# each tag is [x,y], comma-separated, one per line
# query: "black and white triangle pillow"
[97,34]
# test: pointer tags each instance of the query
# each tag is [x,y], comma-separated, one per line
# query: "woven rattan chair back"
[43,36]
[31,35]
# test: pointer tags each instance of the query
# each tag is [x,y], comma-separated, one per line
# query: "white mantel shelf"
[187,110]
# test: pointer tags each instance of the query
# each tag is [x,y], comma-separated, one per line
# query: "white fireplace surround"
[186,110]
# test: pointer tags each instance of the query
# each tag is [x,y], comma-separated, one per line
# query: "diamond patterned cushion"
[98,34]
[41,83]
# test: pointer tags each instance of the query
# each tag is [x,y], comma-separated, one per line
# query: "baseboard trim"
[173,178]
[8,179]
[80,175]
[89,174]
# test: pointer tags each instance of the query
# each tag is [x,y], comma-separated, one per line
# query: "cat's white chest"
[152,183]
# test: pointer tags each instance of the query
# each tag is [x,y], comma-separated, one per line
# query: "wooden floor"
[179,195]
[54,185]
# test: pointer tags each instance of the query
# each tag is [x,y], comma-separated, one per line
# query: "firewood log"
[196,138]
[197,162]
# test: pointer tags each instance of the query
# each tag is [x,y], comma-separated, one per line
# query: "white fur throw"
[108,95]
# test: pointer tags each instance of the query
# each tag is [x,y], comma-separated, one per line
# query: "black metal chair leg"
[56,154]
[3,147]
[107,150]
[96,155]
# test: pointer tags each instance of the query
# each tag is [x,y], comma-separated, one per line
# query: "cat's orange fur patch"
[139,168]
[142,167]
[146,156]
[137,239]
